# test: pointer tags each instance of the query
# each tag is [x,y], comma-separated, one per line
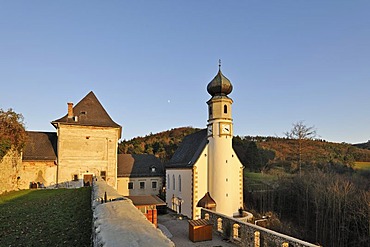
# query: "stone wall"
[42,172]
[9,175]
[17,174]
[87,151]
[246,234]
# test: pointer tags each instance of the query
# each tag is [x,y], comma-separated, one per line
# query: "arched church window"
[168,181]
[225,109]
[173,182]
[180,183]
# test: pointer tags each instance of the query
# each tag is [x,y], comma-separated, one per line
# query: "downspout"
[57,159]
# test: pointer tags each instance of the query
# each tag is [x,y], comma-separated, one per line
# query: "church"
[205,171]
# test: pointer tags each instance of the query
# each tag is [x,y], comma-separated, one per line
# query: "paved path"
[170,224]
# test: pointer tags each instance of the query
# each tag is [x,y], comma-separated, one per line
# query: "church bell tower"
[224,168]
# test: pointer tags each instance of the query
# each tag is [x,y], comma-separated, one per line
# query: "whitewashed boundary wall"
[119,223]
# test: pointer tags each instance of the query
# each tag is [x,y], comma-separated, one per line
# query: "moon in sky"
[169,101]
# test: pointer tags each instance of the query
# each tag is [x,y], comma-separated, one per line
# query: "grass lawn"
[61,217]
[258,178]
[362,165]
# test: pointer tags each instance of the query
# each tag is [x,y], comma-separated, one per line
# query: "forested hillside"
[163,145]
[264,153]
[258,153]
[365,145]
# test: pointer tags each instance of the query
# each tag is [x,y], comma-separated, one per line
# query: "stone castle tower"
[87,144]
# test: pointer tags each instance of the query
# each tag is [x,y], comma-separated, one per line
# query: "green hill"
[365,145]
[163,145]
[258,153]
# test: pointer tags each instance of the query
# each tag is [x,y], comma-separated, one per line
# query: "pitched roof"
[189,150]
[88,112]
[40,146]
[139,165]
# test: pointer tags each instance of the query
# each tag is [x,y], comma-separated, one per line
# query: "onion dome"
[206,202]
[220,85]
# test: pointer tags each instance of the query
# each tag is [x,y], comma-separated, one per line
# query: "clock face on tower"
[225,129]
[209,130]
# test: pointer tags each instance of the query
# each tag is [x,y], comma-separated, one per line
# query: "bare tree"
[301,132]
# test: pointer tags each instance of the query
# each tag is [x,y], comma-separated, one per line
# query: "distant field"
[258,178]
[362,165]
[60,217]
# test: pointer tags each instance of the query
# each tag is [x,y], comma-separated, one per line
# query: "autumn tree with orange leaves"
[12,131]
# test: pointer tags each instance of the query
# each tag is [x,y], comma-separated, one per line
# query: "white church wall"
[179,196]
[200,181]
[225,181]
[238,166]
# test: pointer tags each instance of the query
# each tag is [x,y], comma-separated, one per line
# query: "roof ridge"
[88,112]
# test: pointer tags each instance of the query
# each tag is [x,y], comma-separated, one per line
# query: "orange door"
[88,179]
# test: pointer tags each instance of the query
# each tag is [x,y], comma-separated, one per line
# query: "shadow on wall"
[67,185]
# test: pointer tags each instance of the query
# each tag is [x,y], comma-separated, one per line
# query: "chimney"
[70,109]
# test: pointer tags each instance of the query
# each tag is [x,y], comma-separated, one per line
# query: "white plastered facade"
[86,150]
[225,181]
[137,190]
[193,187]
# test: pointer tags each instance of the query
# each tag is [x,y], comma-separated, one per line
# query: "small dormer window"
[153,169]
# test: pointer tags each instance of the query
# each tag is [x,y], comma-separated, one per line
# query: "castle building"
[205,170]
[84,146]
[87,144]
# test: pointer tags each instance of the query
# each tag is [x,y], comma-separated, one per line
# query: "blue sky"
[149,63]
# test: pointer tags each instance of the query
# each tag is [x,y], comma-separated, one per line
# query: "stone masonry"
[247,234]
